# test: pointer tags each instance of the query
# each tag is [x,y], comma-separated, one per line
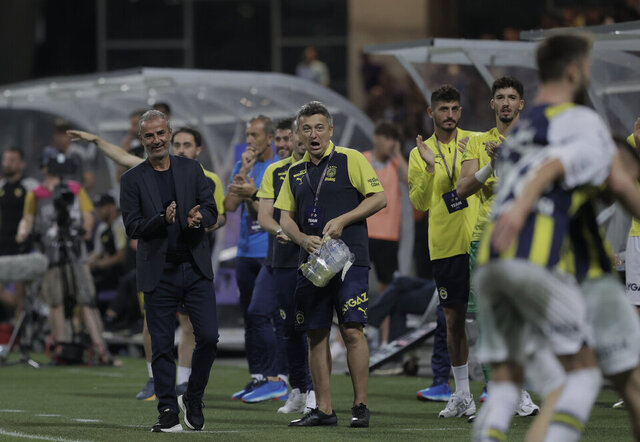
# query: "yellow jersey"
[635,224]
[218,191]
[476,151]
[449,233]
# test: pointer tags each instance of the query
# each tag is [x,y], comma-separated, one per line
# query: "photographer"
[60,215]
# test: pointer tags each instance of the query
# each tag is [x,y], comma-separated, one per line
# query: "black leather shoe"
[192,409]
[314,418]
[360,416]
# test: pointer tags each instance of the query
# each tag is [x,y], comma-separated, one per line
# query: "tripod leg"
[14,336]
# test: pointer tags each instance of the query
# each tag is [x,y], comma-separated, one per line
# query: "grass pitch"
[98,403]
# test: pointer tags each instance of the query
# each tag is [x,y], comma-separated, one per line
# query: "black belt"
[178,256]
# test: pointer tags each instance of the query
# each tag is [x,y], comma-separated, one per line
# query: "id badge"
[253,226]
[313,216]
[454,202]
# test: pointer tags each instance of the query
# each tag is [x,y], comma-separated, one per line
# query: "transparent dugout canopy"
[473,65]
[217,103]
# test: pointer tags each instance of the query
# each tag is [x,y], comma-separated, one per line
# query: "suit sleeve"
[204,197]
[136,225]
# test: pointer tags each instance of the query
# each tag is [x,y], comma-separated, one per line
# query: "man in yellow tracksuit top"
[434,169]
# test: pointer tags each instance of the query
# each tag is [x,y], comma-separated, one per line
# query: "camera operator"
[13,189]
[60,214]
[74,154]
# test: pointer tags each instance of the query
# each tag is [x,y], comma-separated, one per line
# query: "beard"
[508,119]
[447,129]
[9,174]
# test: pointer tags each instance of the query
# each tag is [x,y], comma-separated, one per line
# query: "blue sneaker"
[439,393]
[251,385]
[484,395]
[148,392]
[269,390]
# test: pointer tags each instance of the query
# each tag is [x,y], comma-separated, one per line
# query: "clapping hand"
[170,213]
[426,154]
[194,218]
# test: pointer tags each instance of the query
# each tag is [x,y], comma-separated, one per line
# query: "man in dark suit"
[166,204]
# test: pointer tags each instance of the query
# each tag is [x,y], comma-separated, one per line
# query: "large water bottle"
[330,259]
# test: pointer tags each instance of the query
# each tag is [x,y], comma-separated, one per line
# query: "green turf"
[107,395]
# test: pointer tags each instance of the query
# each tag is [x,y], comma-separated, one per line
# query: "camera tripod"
[21,331]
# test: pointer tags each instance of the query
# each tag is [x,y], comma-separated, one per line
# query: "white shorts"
[632,269]
[615,324]
[544,372]
[522,307]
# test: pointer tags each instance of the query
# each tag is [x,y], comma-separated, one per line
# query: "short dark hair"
[558,51]
[197,138]
[506,82]
[286,124]
[267,123]
[152,115]
[386,129]
[445,93]
[17,150]
[313,108]
[61,126]
[163,107]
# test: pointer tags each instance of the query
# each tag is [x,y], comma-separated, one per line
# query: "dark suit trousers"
[181,283]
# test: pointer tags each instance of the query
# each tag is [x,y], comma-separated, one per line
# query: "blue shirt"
[253,241]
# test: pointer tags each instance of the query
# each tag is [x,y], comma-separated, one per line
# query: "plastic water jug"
[327,261]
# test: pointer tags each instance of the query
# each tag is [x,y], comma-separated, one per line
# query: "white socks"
[257,377]
[495,415]
[574,405]
[183,374]
[461,377]
[150,370]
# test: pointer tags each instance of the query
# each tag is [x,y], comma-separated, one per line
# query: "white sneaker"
[460,404]
[310,404]
[295,402]
[619,404]
[526,407]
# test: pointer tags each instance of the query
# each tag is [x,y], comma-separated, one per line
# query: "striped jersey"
[579,139]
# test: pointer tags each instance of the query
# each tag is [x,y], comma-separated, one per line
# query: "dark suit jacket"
[142,215]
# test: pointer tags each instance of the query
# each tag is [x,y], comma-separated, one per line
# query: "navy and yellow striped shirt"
[579,139]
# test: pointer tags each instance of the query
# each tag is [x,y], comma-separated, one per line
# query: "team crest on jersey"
[443,293]
[17,193]
[283,315]
[300,318]
[331,173]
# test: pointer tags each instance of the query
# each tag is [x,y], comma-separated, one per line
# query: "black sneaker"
[168,422]
[360,416]
[314,418]
[192,409]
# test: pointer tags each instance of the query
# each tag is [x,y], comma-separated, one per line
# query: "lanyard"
[324,173]
[450,173]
